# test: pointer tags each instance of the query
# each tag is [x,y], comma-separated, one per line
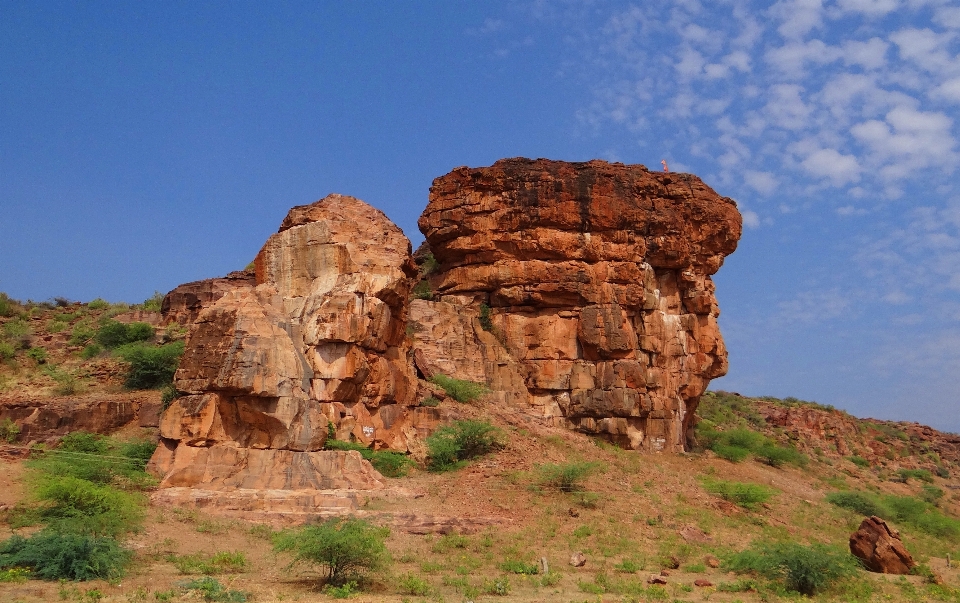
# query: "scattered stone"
[879,548]
[578,559]
[656,579]
[702,583]
[672,562]
[693,534]
[711,561]
[573,512]
[664,573]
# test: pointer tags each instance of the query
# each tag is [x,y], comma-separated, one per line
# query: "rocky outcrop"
[880,548]
[183,304]
[317,346]
[594,283]
[45,419]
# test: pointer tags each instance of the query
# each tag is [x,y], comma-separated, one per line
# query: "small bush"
[90,351]
[451,444]
[347,548]
[486,323]
[859,461]
[920,474]
[82,441]
[498,587]
[15,574]
[408,584]
[928,493]
[734,454]
[113,334]
[72,505]
[66,383]
[98,304]
[151,368]
[7,351]
[211,590]
[566,477]
[804,569]
[422,291]
[344,591]
[8,307]
[747,495]
[430,402]
[9,431]
[153,303]
[777,456]
[82,333]
[54,556]
[38,355]
[628,566]
[458,389]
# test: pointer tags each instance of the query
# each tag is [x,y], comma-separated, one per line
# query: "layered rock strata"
[593,279]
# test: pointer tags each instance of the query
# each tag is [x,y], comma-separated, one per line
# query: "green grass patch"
[747,495]
[222,562]
[906,510]
[458,389]
[210,589]
[565,477]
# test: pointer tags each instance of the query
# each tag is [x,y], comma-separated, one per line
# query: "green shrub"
[344,591]
[515,566]
[82,441]
[422,291]
[219,563]
[7,351]
[66,383]
[151,368]
[211,590]
[73,505]
[859,461]
[90,351]
[98,304]
[153,303]
[930,494]
[113,334]
[9,431]
[734,454]
[17,333]
[82,333]
[390,464]
[408,584]
[858,502]
[452,444]
[566,477]
[39,355]
[8,307]
[486,323]
[57,556]
[747,495]
[430,402]
[458,389]
[801,568]
[628,566]
[347,548]
[15,574]
[920,474]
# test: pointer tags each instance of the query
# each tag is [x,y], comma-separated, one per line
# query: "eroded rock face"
[880,548]
[184,303]
[597,280]
[318,344]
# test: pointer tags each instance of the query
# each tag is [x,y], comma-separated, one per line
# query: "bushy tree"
[347,548]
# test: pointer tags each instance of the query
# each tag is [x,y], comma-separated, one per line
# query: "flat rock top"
[674,219]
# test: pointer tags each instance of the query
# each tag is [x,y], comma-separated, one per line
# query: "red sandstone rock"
[184,303]
[597,277]
[880,548]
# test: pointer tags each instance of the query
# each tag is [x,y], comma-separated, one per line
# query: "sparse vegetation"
[917,513]
[9,431]
[348,549]
[210,589]
[565,477]
[222,562]
[458,389]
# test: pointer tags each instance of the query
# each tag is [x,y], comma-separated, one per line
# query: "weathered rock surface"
[596,277]
[184,303]
[42,419]
[880,548]
[317,345]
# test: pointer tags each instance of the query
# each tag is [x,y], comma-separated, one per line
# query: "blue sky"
[147,144]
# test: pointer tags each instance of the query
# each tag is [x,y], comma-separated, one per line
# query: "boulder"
[880,548]
[594,281]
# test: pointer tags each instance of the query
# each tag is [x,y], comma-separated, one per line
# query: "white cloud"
[762,182]
[798,17]
[925,48]
[691,63]
[810,307]
[869,55]
[873,8]
[830,164]
[750,218]
[786,108]
[948,17]
[948,91]
[791,58]
[907,141]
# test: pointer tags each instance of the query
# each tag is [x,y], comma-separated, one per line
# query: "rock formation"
[576,292]
[880,548]
[594,283]
[318,344]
